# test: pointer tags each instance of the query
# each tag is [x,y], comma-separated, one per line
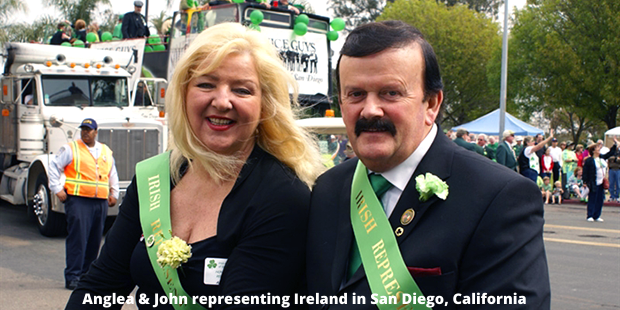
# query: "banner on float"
[306,57]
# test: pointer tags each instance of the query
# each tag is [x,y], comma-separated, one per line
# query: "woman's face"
[224,106]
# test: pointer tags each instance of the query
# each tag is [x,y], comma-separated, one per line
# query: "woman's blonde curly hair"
[276,133]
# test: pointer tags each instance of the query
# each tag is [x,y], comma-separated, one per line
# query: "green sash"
[385,268]
[153,179]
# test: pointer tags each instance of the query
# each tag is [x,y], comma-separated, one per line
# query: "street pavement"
[584,261]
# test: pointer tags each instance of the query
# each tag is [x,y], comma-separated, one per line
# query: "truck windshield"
[85,91]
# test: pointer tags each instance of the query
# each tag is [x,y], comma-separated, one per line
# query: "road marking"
[583,228]
[610,245]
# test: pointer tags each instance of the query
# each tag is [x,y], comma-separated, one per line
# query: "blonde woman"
[241,172]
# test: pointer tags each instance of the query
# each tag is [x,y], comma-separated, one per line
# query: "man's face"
[510,138]
[137,9]
[519,142]
[382,105]
[481,141]
[539,138]
[554,144]
[88,136]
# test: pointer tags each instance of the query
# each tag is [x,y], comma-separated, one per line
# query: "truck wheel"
[50,223]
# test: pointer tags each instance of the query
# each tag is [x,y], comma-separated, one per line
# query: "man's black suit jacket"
[134,26]
[486,237]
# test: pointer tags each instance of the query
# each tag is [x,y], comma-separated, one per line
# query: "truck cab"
[46,92]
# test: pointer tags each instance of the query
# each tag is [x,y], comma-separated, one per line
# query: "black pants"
[85,221]
[556,171]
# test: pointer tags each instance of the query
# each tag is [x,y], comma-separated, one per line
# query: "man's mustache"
[375,124]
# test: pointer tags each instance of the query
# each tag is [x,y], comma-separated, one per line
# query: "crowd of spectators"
[556,168]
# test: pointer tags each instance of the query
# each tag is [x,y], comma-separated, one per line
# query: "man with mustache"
[402,221]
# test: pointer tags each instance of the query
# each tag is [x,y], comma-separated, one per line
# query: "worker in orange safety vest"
[89,188]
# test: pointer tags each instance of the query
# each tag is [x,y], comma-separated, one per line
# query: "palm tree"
[73,10]
[8,7]
[158,21]
[39,31]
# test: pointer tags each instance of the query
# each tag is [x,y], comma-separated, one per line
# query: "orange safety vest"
[87,176]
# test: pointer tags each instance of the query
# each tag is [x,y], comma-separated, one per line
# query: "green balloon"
[154,39]
[256,17]
[106,36]
[300,29]
[159,48]
[332,35]
[78,43]
[148,49]
[303,18]
[337,24]
[65,44]
[238,1]
[91,37]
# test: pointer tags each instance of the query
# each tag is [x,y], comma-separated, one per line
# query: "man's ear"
[433,107]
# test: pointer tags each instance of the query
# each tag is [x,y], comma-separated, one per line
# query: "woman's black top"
[261,230]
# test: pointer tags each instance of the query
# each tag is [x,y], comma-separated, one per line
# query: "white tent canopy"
[489,124]
[610,134]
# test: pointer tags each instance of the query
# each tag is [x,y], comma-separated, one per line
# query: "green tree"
[158,21]
[463,41]
[357,12]
[8,7]
[73,10]
[564,55]
[490,7]
[109,19]
[39,31]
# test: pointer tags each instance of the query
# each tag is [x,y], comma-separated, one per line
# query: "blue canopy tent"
[489,125]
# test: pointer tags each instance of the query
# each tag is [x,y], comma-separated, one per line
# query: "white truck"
[46,92]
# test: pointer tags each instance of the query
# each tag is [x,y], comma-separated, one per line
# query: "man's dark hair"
[375,37]
[60,26]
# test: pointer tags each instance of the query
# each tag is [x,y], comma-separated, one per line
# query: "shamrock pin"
[212,264]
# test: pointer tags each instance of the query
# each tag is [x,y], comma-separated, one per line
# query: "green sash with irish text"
[153,180]
[385,268]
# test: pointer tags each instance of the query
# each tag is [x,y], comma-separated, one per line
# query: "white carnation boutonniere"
[429,185]
[173,252]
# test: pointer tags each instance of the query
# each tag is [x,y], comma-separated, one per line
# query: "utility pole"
[502,96]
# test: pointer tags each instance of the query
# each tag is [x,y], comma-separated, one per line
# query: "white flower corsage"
[429,185]
[173,252]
